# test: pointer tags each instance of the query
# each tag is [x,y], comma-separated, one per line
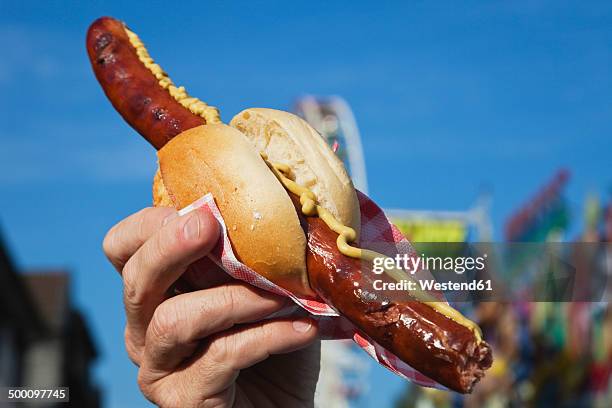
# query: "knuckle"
[108,244]
[162,246]
[132,349]
[220,349]
[260,334]
[225,308]
[134,295]
[145,385]
[156,388]
[163,324]
[143,219]
[263,333]
[230,297]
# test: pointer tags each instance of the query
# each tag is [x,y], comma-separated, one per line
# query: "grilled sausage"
[132,88]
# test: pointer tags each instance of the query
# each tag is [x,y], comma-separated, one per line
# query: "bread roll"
[161,198]
[261,220]
[288,139]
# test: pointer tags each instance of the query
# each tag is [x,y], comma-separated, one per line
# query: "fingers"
[180,322]
[124,239]
[245,346]
[159,262]
[219,362]
[212,370]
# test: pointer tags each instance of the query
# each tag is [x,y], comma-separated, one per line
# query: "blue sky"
[450,99]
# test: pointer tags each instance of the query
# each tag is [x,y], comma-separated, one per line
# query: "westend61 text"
[431,284]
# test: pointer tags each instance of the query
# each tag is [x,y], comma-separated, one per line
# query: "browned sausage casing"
[425,339]
[132,88]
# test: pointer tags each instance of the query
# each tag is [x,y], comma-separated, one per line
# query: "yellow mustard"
[195,106]
[346,234]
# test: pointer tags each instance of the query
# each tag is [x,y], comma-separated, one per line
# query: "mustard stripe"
[194,105]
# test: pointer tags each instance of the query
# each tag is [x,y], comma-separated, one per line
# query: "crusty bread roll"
[161,198]
[288,139]
[261,220]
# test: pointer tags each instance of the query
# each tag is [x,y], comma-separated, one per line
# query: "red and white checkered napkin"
[375,228]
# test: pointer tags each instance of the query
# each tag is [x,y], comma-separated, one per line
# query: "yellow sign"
[432,230]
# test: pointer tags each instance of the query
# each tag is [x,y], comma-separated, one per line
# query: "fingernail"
[191,229]
[169,218]
[302,325]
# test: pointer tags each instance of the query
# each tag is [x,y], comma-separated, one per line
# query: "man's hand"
[207,348]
